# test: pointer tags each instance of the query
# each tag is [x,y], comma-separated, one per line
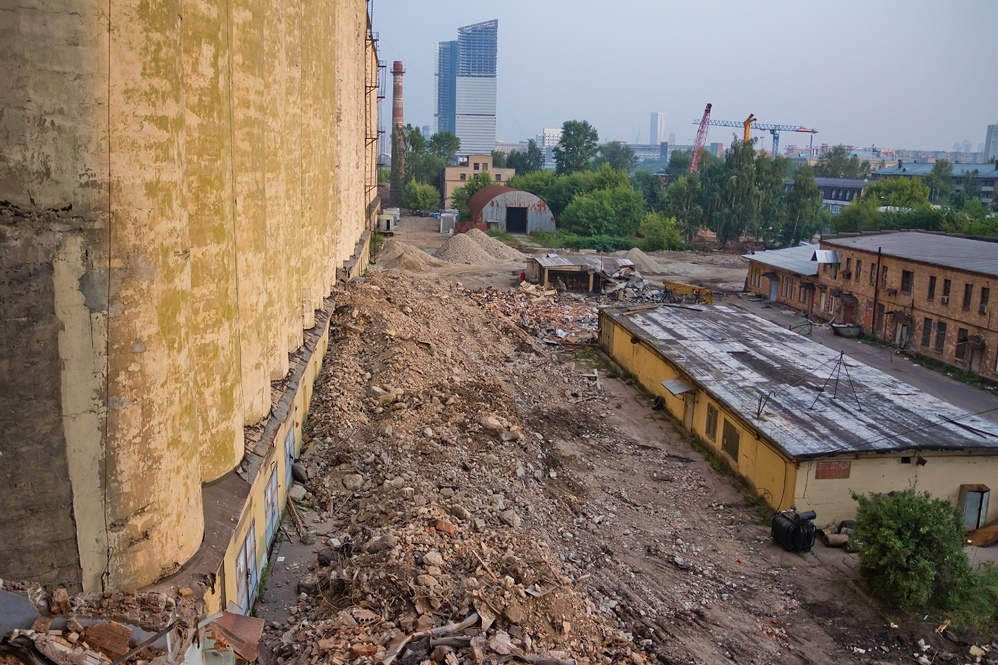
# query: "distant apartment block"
[991,144]
[546,141]
[656,134]
[466,87]
[984,176]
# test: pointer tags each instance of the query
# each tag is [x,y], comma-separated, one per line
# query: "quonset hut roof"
[972,255]
[739,359]
[483,196]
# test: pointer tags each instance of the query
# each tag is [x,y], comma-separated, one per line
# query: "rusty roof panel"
[740,358]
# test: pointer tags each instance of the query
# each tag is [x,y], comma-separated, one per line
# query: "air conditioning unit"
[983,309]
[944,300]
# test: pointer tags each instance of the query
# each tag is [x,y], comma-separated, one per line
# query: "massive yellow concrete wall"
[208,161]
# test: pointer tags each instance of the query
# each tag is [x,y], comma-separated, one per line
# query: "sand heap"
[462,249]
[398,255]
[496,248]
[644,263]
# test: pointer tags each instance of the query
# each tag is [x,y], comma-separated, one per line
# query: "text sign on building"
[828,470]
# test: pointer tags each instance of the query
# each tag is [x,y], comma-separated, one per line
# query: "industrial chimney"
[398,137]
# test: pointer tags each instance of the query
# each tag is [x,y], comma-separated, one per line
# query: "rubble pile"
[97,628]
[551,317]
[425,458]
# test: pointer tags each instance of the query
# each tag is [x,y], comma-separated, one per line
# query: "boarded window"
[730,440]
[711,428]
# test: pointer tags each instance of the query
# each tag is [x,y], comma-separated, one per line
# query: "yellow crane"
[748,127]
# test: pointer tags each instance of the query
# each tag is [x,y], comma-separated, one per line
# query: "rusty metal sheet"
[242,632]
[832,469]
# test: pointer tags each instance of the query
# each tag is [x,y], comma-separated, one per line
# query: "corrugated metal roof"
[605,264]
[739,358]
[848,183]
[793,259]
[980,256]
[922,169]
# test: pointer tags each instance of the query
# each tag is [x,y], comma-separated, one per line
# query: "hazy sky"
[902,74]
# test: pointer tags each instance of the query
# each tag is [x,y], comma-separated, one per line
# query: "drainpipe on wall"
[876,291]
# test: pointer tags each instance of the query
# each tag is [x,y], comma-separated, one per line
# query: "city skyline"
[890,74]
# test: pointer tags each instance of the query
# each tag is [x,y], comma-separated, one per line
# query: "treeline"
[927,204]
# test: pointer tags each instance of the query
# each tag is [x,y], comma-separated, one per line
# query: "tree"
[940,181]
[528,161]
[444,144]
[577,147]
[899,192]
[459,197]
[912,548]
[838,163]
[679,163]
[684,202]
[499,159]
[620,157]
[418,196]
[659,232]
[803,207]
[651,188]
[604,212]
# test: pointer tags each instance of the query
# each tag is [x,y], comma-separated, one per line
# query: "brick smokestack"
[398,136]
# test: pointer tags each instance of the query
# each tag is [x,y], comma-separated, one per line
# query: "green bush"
[417,196]
[568,240]
[912,550]
[659,232]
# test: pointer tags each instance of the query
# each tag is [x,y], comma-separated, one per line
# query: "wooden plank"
[985,536]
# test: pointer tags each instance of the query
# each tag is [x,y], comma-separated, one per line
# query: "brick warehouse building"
[928,292]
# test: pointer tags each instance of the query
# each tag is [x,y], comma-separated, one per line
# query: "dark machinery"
[794,531]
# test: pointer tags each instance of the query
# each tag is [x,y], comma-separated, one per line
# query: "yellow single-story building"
[802,424]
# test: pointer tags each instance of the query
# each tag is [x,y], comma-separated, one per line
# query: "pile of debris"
[554,318]
[426,481]
[92,628]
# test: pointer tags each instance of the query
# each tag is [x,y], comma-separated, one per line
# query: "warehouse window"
[926,332]
[907,277]
[873,274]
[968,295]
[946,287]
[729,440]
[961,343]
[985,295]
[883,277]
[940,336]
[932,288]
[711,428]
[859,269]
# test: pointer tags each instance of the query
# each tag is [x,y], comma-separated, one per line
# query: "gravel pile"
[462,249]
[400,256]
[643,262]
[494,247]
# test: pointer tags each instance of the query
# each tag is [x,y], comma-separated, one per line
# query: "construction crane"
[701,137]
[749,124]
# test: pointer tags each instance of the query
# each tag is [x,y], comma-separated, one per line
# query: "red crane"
[701,139]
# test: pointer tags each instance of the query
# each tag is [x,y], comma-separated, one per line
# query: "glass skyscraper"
[466,87]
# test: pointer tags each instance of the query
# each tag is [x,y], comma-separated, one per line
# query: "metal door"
[773,285]
[246,572]
[975,360]
[289,455]
[688,404]
[270,501]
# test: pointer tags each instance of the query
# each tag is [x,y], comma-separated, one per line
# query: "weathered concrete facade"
[180,183]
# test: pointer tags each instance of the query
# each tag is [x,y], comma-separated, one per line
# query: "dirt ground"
[458,468]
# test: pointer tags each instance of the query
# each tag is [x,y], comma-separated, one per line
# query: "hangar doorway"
[516,220]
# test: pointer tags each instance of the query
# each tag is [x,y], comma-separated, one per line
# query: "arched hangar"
[507,209]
